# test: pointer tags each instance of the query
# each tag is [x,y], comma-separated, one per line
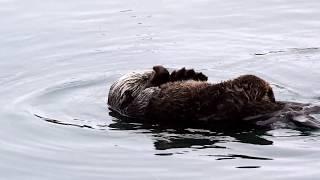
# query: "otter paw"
[187,74]
[160,76]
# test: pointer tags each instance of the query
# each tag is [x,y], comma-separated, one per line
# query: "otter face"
[126,89]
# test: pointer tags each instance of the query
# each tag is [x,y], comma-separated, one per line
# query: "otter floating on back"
[185,96]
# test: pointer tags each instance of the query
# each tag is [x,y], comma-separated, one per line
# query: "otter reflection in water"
[185,97]
[179,136]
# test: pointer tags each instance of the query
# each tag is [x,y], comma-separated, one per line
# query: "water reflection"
[210,144]
[234,156]
[175,140]
[176,136]
[173,136]
[189,138]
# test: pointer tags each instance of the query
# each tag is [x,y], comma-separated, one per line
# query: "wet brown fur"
[161,76]
[185,95]
[191,100]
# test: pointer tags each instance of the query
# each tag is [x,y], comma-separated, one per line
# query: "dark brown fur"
[187,74]
[195,100]
[184,96]
[161,76]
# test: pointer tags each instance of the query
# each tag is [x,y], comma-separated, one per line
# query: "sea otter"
[184,96]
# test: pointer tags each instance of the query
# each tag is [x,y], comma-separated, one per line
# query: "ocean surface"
[59,58]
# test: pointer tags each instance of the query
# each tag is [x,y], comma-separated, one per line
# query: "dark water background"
[58,59]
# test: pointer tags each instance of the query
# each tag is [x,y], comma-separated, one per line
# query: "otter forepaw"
[160,76]
[187,74]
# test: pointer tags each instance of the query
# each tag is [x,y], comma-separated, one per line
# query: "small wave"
[291,50]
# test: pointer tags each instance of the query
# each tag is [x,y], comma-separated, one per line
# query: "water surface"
[59,58]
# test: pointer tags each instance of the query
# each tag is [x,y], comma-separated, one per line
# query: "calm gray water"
[58,59]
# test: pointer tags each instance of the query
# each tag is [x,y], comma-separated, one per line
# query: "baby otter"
[185,96]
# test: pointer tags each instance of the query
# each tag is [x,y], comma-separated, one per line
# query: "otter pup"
[185,96]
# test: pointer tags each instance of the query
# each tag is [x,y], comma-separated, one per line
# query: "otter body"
[202,101]
[186,96]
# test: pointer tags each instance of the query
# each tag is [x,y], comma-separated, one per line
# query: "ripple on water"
[54,113]
[76,107]
[59,58]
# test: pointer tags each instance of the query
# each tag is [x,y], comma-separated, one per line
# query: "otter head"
[126,89]
[256,88]
[266,92]
[269,96]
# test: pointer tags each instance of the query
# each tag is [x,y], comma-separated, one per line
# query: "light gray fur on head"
[138,106]
[133,86]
